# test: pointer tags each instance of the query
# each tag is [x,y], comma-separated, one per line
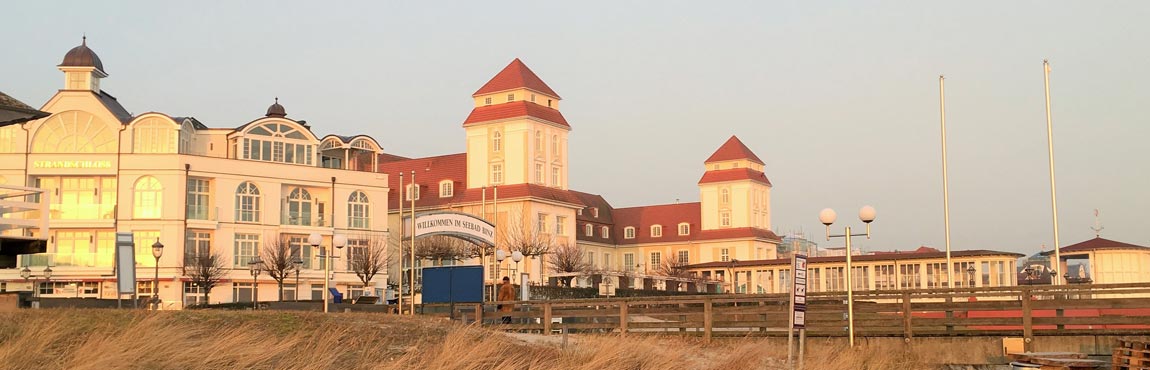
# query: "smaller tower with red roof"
[734,191]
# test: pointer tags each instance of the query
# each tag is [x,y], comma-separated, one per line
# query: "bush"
[558,292]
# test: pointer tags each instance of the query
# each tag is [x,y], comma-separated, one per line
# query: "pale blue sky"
[839,98]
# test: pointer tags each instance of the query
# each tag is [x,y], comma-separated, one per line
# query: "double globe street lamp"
[516,256]
[339,241]
[26,273]
[827,216]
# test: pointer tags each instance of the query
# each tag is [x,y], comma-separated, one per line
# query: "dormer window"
[510,97]
[629,232]
[532,98]
[446,189]
[595,212]
[487,101]
[656,231]
[605,231]
[684,229]
[588,230]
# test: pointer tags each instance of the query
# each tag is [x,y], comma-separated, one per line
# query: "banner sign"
[799,292]
[125,264]
[456,224]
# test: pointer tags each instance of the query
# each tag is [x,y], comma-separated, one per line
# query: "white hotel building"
[195,188]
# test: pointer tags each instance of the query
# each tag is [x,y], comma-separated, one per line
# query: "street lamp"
[827,217]
[254,268]
[731,270]
[157,251]
[970,271]
[26,274]
[298,263]
[516,256]
[48,277]
[339,241]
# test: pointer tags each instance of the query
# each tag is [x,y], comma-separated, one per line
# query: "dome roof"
[276,110]
[82,56]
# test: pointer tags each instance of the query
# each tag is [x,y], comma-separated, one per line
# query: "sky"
[840,99]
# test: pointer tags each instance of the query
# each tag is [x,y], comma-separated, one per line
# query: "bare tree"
[439,248]
[368,258]
[522,235]
[277,259]
[671,266]
[568,258]
[205,271]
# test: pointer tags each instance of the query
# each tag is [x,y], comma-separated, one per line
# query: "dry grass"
[107,339]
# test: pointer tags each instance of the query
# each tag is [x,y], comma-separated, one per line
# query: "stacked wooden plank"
[1131,355]
[1057,360]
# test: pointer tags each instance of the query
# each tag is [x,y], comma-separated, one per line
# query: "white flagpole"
[1057,265]
[945,188]
[402,231]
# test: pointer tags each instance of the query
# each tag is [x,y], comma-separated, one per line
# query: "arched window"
[496,141]
[538,142]
[358,211]
[149,196]
[555,145]
[74,132]
[629,232]
[299,207]
[154,135]
[605,232]
[277,142]
[588,230]
[684,228]
[725,196]
[247,203]
[656,231]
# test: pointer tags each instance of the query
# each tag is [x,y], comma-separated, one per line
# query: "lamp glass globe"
[866,214]
[827,216]
[500,255]
[517,256]
[314,239]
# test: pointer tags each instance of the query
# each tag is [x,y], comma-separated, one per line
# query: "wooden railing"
[1024,311]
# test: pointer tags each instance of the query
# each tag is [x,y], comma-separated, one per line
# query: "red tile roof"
[516,75]
[731,150]
[669,216]
[515,109]
[863,258]
[734,174]
[1095,244]
[605,218]
[430,171]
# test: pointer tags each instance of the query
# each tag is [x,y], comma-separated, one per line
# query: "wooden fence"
[1026,311]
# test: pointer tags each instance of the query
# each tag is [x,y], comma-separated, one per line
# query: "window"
[910,276]
[725,218]
[358,211]
[595,212]
[510,97]
[541,226]
[149,196]
[629,232]
[497,173]
[555,146]
[446,189]
[532,98]
[496,140]
[605,231]
[143,247]
[936,275]
[629,261]
[559,221]
[242,292]
[656,259]
[275,142]
[656,231]
[193,294]
[607,261]
[246,250]
[724,196]
[357,249]
[153,135]
[539,173]
[724,254]
[884,277]
[199,244]
[591,259]
[538,142]
[487,101]
[555,176]
[198,199]
[247,203]
[860,277]
[300,249]
[684,229]
[412,192]
[588,230]
[684,257]
[299,208]
[75,132]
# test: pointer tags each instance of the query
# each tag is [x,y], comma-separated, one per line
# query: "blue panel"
[448,284]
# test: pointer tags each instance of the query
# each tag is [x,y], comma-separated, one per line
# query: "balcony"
[304,219]
[82,211]
[68,260]
[203,212]
[23,223]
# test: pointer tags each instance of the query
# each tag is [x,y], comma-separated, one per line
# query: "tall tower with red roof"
[515,133]
[734,192]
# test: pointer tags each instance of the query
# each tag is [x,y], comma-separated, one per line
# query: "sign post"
[798,310]
[125,268]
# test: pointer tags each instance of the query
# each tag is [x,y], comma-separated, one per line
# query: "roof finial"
[84,39]
[277,100]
